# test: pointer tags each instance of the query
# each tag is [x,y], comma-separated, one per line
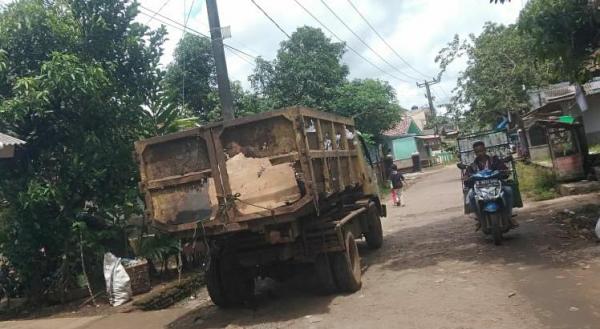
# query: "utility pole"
[220,63]
[427,84]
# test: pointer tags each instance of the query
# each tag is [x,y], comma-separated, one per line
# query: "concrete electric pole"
[220,63]
[427,84]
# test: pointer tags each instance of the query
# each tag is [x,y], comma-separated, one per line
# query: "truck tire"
[326,282]
[346,266]
[214,285]
[374,236]
[227,285]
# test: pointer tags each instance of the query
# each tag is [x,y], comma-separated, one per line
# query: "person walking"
[397,183]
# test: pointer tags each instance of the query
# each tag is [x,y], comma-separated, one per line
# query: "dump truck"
[266,193]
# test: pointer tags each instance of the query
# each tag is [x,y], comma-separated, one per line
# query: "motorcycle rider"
[484,161]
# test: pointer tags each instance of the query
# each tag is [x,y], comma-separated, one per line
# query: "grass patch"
[536,182]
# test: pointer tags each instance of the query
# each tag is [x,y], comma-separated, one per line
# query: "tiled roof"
[8,140]
[400,129]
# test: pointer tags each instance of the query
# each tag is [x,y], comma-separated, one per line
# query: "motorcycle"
[493,211]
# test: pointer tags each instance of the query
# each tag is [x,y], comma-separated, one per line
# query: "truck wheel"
[346,266]
[214,284]
[324,275]
[374,236]
[227,285]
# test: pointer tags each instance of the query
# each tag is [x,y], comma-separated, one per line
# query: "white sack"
[118,283]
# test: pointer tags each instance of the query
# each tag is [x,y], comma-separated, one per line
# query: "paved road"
[434,271]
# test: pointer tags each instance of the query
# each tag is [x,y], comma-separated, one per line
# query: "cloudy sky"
[416,29]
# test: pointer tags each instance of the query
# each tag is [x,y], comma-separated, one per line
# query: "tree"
[75,82]
[563,30]
[29,32]
[163,117]
[371,102]
[191,77]
[306,71]
[500,67]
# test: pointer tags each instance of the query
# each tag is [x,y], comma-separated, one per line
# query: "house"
[7,146]
[563,123]
[564,99]
[420,116]
[406,139]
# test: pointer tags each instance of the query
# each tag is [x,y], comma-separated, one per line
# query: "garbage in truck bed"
[267,168]
[261,185]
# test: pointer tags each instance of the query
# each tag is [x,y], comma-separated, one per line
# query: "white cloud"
[417,29]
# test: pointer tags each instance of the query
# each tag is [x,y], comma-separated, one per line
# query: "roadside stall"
[565,148]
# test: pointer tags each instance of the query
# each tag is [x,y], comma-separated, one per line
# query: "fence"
[445,157]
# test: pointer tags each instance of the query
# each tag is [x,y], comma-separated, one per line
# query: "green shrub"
[536,182]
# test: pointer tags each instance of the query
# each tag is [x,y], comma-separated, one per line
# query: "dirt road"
[434,271]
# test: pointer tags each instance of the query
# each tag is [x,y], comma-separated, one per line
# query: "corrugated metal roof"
[9,140]
[428,137]
[592,87]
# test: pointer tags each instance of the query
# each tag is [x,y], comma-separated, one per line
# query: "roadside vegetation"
[80,81]
[537,183]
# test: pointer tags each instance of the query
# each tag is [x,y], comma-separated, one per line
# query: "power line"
[159,9]
[341,40]
[271,19]
[384,41]
[234,51]
[183,54]
[241,44]
[187,18]
[439,87]
[182,27]
[364,42]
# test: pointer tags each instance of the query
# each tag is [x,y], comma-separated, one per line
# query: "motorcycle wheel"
[496,228]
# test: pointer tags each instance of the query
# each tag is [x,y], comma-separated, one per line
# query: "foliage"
[76,77]
[307,70]
[500,67]
[190,85]
[552,41]
[244,102]
[537,183]
[163,117]
[594,149]
[159,248]
[372,103]
[190,80]
[562,30]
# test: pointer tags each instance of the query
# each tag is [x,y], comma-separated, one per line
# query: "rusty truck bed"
[242,174]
